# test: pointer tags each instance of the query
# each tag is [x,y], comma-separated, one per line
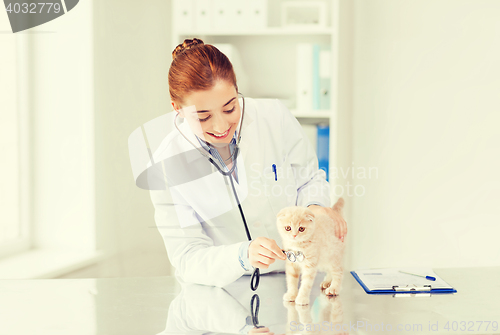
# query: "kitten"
[330,314]
[322,250]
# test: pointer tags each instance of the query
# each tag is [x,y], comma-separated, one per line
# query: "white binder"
[304,86]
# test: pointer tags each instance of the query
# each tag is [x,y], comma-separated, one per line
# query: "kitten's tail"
[339,205]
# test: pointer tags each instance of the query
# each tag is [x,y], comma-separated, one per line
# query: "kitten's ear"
[339,205]
[310,217]
[281,213]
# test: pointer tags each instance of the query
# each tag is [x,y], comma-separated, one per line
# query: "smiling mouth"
[223,135]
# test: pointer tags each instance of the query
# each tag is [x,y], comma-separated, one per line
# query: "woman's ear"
[177,108]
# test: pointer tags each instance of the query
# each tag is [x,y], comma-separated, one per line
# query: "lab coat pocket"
[279,186]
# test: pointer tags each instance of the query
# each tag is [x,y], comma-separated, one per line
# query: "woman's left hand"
[340,224]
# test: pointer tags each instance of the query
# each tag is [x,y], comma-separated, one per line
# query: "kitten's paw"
[289,296]
[325,284]
[332,290]
[301,300]
[302,308]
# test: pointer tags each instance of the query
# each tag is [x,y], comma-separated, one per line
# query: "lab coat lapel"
[247,131]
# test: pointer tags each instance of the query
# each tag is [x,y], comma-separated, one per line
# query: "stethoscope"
[255,279]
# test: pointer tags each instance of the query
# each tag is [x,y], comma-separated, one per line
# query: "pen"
[275,172]
[426,277]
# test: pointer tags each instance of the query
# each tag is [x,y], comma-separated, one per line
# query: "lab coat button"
[257,224]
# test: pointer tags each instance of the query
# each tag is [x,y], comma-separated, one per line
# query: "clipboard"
[390,280]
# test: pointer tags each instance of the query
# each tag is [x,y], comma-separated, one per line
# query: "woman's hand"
[340,224]
[263,252]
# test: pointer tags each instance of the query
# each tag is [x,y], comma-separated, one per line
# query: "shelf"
[264,32]
[322,114]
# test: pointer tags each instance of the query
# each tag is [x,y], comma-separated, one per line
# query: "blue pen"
[426,277]
[275,172]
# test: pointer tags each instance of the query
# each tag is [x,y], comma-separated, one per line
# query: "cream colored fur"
[323,251]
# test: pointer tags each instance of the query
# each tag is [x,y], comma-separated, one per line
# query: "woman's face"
[216,113]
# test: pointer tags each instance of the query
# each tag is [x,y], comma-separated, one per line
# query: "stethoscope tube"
[255,279]
[254,308]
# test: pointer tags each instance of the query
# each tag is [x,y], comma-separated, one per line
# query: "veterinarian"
[268,161]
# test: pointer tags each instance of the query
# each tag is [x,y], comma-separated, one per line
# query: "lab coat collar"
[207,146]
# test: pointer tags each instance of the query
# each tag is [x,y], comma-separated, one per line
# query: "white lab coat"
[203,231]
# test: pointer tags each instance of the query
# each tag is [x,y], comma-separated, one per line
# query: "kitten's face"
[295,224]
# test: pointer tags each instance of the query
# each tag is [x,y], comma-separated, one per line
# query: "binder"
[313,77]
[321,77]
[383,281]
[325,61]
[323,147]
[316,79]
[304,88]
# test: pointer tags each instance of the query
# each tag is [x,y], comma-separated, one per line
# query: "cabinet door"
[183,11]
[203,15]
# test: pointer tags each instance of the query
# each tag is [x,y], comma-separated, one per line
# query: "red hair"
[197,66]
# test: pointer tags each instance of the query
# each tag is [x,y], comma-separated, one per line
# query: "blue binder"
[409,288]
[323,148]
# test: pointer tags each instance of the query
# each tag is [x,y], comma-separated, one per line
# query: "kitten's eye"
[288,228]
[301,229]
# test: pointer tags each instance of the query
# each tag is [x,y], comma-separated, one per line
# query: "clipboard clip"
[412,295]
[411,288]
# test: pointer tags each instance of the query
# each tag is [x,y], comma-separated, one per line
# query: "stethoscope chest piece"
[294,256]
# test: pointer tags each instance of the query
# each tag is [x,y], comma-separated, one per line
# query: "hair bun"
[186,45]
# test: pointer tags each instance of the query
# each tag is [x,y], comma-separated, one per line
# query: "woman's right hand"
[263,252]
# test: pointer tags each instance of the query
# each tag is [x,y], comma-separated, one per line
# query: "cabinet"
[263,51]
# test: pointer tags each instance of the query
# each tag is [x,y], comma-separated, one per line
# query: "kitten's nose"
[294,236]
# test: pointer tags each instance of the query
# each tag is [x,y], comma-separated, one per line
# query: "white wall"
[132,55]
[343,137]
[9,134]
[62,131]
[426,111]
